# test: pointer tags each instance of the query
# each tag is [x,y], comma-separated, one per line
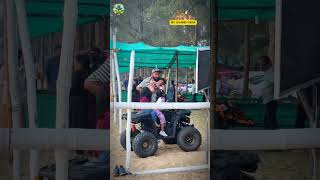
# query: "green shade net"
[46,16]
[246,9]
[147,56]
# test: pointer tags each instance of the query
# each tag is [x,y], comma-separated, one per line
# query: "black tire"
[169,141]
[123,139]
[145,144]
[189,139]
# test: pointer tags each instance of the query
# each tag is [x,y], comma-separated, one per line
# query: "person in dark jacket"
[78,95]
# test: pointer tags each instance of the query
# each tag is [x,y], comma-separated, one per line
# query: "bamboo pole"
[196,70]
[116,65]
[129,99]
[64,82]
[31,80]
[169,105]
[114,92]
[168,80]
[49,139]
[87,139]
[187,90]
[177,78]
[13,83]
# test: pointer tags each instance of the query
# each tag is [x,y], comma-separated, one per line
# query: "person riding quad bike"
[144,137]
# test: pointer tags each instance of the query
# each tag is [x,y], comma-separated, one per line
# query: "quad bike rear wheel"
[189,139]
[145,144]
[123,139]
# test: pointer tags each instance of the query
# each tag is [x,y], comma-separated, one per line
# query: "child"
[161,98]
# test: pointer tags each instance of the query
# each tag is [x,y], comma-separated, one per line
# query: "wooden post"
[246,59]
[64,82]
[214,26]
[177,74]
[31,80]
[13,80]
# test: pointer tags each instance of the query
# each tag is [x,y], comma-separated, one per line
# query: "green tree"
[148,21]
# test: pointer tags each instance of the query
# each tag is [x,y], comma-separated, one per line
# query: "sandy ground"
[167,156]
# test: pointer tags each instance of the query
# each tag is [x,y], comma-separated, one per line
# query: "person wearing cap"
[155,76]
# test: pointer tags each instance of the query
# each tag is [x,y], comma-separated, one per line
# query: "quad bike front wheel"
[145,144]
[189,139]
[123,139]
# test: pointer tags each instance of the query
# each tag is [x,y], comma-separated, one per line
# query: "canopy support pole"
[177,74]
[168,79]
[13,77]
[196,71]
[64,82]
[116,64]
[129,99]
[187,71]
[31,80]
[113,87]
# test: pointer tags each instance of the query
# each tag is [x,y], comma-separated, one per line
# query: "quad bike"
[145,136]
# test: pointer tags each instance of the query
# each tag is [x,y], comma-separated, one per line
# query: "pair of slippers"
[119,171]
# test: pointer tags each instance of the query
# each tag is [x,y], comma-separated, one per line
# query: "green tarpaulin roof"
[150,56]
[46,16]
[246,9]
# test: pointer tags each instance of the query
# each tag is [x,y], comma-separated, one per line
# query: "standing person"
[171,92]
[98,84]
[125,83]
[193,91]
[95,58]
[155,76]
[271,105]
[52,70]
[140,79]
[78,95]
[135,92]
